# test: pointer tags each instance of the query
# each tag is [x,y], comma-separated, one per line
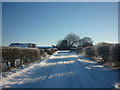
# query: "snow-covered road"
[64,69]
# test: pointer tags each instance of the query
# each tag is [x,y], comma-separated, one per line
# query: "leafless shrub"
[103,51]
[89,52]
[115,53]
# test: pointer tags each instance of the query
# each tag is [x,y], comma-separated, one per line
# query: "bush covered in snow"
[103,51]
[109,53]
[90,52]
[115,53]
[17,56]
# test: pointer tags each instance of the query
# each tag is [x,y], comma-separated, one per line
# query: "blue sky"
[44,23]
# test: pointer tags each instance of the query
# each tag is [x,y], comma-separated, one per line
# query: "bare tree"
[59,42]
[63,44]
[72,39]
[86,41]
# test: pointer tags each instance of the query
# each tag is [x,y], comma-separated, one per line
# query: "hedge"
[115,53]
[90,52]
[104,52]
[17,56]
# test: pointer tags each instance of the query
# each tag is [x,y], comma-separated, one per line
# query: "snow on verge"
[7,76]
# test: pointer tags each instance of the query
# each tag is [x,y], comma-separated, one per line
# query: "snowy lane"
[64,70]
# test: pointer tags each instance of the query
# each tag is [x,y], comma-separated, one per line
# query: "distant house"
[23,45]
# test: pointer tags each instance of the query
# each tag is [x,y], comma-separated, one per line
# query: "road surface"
[64,69]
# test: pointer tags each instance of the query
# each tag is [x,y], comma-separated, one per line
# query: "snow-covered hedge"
[17,56]
[115,53]
[90,52]
[104,52]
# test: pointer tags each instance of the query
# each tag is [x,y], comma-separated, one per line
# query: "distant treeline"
[102,52]
[72,41]
[13,57]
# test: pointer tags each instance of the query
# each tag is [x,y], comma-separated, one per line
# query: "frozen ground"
[64,69]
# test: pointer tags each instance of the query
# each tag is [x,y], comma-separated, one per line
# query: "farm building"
[23,45]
